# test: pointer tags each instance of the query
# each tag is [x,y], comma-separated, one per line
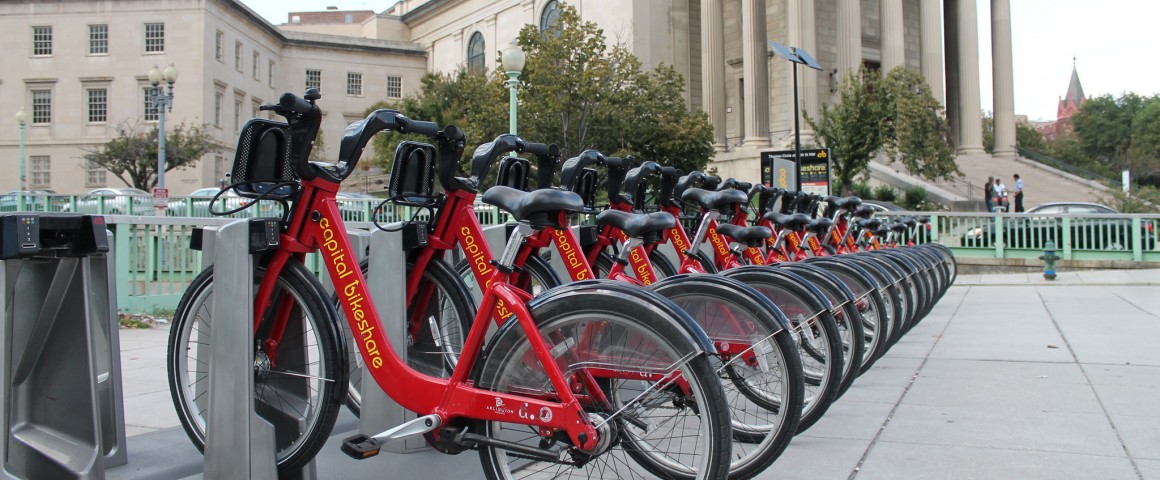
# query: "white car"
[115,201]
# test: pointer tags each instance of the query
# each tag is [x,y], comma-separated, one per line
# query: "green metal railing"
[1019,235]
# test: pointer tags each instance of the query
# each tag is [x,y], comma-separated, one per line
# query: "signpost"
[812,175]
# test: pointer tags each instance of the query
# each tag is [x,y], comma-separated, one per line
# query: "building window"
[154,37]
[270,74]
[550,16]
[314,79]
[150,112]
[238,56]
[41,171]
[394,87]
[354,84]
[349,18]
[41,107]
[257,70]
[42,41]
[237,115]
[217,109]
[98,105]
[475,53]
[94,174]
[295,19]
[98,39]
[219,46]
[255,107]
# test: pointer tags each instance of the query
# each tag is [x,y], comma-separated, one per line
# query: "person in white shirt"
[1018,194]
[1000,194]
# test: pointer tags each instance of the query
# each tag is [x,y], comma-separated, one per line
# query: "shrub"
[861,189]
[914,198]
[886,193]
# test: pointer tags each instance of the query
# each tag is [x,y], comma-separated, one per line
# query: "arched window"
[475,53]
[550,16]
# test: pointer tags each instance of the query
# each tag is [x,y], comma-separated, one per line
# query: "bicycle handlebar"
[295,104]
[547,156]
[570,172]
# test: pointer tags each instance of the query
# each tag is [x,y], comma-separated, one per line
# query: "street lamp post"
[23,179]
[513,63]
[162,101]
[795,56]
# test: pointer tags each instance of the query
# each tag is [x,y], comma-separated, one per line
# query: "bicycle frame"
[316,226]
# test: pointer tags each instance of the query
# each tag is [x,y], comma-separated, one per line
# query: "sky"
[1114,43]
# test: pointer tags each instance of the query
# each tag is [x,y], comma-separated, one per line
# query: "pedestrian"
[1018,194]
[1000,195]
[988,192]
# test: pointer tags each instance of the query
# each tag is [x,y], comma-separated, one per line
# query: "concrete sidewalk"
[1008,377]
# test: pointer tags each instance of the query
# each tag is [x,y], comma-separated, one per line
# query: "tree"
[1026,136]
[475,103]
[578,92]
[132,154]
[852,128]
[917,133]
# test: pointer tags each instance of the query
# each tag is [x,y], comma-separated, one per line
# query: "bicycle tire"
[870,305]
[621,316]
[315,428]
[764,391]
[453,294]
[808,310]
[844,312]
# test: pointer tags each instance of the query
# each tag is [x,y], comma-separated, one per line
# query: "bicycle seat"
[536,207]
[864,211]
[924,220]
[751,236]
[882,231]
[820,225]
[897,226]
[637,225]
[869,223]
[910,222]
[850,203]
[792,221]
[711,200]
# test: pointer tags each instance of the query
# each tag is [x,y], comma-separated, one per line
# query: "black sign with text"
[778,169]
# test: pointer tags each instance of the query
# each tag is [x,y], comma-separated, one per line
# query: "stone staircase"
[1042,183]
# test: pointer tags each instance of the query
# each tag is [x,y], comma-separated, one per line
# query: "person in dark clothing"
[1018,194]
[987,192]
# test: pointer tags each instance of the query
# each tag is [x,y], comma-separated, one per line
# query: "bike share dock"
[999,381]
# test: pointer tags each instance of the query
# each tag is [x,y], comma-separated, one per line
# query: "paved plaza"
[1010,376]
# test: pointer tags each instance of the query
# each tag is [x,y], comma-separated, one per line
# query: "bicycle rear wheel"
[299,392]
[665,428]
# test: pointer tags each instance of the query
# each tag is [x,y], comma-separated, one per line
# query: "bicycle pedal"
[360,446]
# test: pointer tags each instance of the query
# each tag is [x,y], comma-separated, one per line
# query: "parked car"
[198,203]
[881,206]
[1034,228]
[40,200]
[115,201]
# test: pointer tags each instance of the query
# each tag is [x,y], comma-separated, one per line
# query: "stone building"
[79,71]
[720,46]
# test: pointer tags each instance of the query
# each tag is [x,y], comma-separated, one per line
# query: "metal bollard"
[1049,257]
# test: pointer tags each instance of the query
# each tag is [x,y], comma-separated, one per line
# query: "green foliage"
[475,103]
[1142,200]
[913,198]
[918,135]
[579,93]
[862,189]
[1120,133]
[897,115]
[574,91]
[1026,136]
[884,192]
[132,154]
[852,128]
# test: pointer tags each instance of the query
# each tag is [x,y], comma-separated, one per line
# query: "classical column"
[1003,86]
[755,70]
[970,113]
[930,26]
[951,69]
[893,46]
[713,68]
[803,35]
[849,37]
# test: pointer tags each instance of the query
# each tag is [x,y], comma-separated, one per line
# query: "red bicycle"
[575,381]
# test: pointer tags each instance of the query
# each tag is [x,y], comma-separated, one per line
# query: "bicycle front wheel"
[664,416]
[299,391]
